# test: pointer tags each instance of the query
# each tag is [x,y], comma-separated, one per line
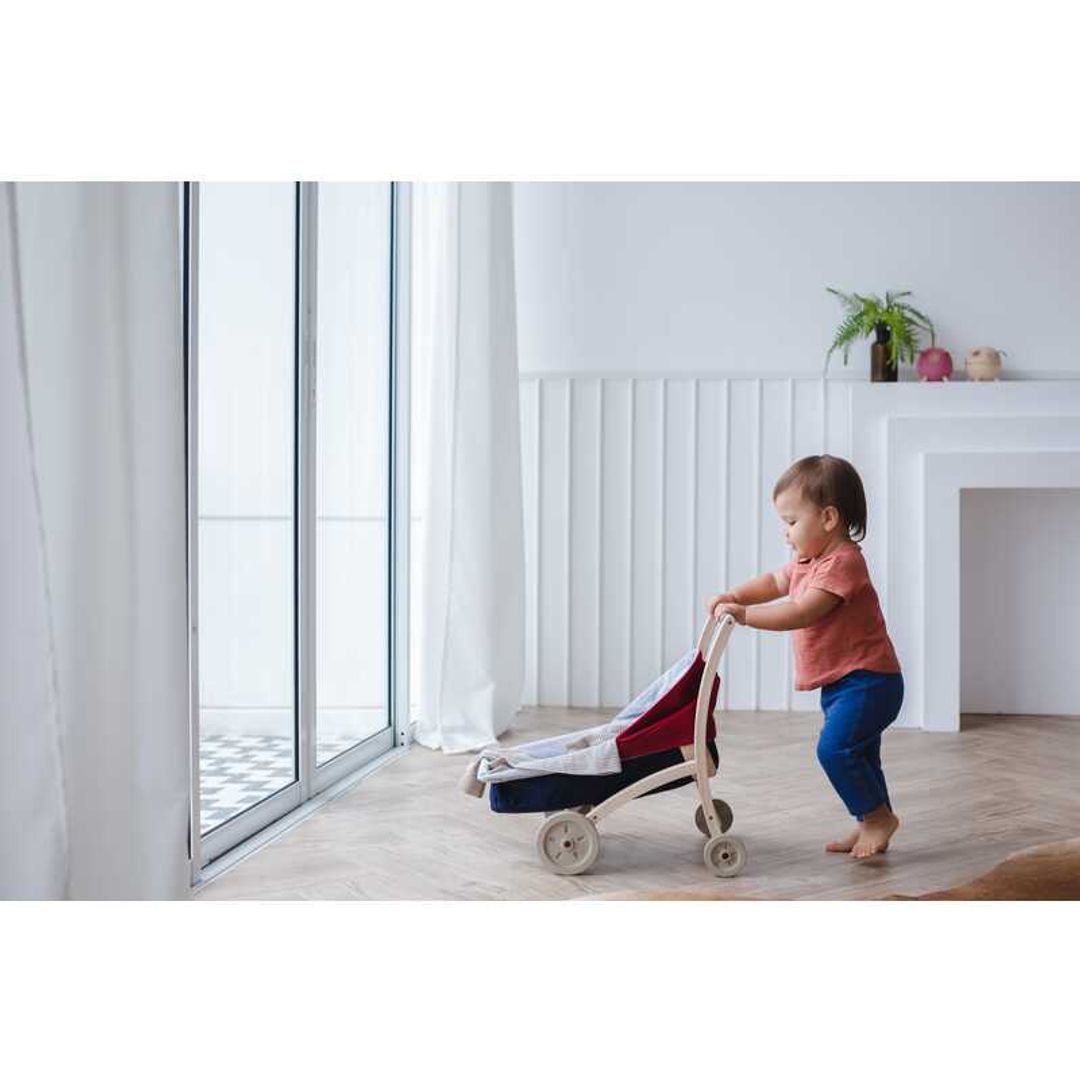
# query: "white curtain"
[471,617]
[33,823]
[94,775]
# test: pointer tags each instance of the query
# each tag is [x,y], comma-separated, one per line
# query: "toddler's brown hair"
[825,481]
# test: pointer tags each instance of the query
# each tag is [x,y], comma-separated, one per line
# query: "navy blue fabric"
[858,708]
[562,791]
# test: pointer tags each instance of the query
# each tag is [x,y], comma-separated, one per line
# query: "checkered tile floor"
[237,771]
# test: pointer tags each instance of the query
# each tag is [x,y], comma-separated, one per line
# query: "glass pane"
[352,465]
[246,388]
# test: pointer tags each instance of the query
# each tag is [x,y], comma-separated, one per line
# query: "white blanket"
[585,753]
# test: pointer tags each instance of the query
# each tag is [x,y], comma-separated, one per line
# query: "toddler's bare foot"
[876,830]
[846,844]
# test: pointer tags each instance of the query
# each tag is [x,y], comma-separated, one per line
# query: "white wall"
[1020,592]
[682,328]
[655,277]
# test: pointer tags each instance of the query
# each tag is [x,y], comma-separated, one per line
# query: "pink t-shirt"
[852,636]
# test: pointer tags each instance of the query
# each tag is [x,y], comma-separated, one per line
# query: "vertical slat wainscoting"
[583,538]
[616,398]
[713,421]
[530,478]
[646,530]
[742,468]
[553,529]
[643,495]
[679,621]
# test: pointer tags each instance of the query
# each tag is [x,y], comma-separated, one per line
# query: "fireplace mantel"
[917,446]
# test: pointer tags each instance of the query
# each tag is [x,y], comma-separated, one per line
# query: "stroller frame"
[568,841]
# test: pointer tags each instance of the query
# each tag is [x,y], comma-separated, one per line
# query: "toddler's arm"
[810,606]
[758,590]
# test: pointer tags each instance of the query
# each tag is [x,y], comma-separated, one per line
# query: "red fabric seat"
[669,723]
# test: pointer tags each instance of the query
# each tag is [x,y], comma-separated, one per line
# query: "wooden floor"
[965,802]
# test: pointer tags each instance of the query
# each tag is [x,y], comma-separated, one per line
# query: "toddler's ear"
[832,518]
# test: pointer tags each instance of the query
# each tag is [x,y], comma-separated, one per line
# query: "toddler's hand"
[714,602]
[736,611]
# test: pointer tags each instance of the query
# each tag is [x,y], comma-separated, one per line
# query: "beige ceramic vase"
[983,364]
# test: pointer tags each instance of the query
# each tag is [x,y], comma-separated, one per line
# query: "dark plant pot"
[880,368]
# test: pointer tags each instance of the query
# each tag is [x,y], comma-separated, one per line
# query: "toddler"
[841,644]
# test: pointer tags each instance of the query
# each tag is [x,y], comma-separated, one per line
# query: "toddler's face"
[804,523]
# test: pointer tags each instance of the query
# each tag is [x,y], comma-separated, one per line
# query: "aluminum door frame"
[313,779]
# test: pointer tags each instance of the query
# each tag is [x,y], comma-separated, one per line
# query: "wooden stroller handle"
[714,639]
[712,626]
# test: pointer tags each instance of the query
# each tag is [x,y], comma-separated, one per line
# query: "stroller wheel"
[722,811]
[568,842]
[725,856]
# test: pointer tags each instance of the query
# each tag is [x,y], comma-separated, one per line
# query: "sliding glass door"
[246,439]
[294,369]
[352,447]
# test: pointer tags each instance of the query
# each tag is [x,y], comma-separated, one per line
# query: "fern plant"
[870,315]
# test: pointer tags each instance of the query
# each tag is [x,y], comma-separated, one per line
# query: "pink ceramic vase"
[934,365]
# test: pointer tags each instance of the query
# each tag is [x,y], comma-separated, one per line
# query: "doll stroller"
[664,739]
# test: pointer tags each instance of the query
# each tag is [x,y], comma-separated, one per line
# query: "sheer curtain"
[94,774]
[470,613]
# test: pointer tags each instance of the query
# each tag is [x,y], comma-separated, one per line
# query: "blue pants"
[858,708]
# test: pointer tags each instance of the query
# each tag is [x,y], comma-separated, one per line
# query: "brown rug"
[1044,872]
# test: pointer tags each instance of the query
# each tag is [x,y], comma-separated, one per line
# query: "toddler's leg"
[873,757]
[878,825]
[849,750]
[848,767]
